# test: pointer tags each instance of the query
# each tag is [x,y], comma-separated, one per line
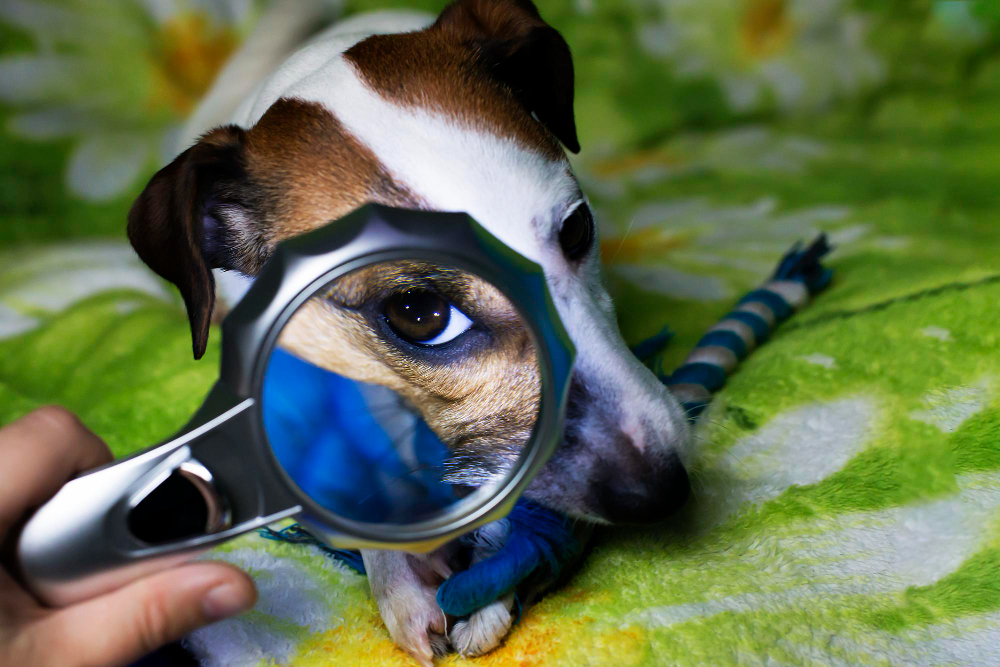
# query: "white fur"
[484,629]
[288,595]
[231,285]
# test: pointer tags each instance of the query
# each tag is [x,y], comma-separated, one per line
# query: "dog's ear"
[522,51]
[182,222]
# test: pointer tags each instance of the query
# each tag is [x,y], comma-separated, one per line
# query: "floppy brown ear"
[167,223]
[525,53]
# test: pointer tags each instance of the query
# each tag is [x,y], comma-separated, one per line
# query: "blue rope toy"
[540,541]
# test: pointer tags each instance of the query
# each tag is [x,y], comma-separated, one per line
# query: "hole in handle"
[184,505]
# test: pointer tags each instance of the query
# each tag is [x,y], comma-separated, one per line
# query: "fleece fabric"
[846,507]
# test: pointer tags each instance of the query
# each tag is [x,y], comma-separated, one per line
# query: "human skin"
[38,454]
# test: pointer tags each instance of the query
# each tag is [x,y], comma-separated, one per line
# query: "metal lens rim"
[485,503]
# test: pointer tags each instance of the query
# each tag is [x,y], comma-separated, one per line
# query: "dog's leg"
[404,586]
[485,628]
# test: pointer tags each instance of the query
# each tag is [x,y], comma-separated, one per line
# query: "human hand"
[38,454]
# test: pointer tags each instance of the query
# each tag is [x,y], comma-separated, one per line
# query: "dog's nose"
[645,494]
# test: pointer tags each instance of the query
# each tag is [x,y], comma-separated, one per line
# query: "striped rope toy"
[798,277]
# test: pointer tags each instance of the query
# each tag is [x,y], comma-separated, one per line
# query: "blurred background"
[715,133]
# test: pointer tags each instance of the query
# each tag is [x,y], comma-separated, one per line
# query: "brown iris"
[417,315]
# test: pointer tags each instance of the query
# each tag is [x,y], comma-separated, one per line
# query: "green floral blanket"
[847,500]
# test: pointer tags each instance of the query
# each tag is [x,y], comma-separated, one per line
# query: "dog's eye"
[577,233]
[425,318]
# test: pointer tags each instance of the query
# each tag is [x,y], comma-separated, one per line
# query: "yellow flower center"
[765,29]
[187,53]
[640,244]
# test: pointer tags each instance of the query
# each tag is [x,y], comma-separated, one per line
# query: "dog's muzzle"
[635,490]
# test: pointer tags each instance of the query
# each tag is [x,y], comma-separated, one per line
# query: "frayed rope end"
[805,266]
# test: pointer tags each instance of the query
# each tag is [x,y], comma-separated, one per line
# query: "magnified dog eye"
[425,317]
[577,233]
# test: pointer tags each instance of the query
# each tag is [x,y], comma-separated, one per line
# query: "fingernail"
[225,600]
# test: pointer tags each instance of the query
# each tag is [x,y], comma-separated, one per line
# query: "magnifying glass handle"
[148,512]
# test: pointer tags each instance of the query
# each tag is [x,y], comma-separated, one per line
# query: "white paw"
[415,622]
[484,629]
[405,594]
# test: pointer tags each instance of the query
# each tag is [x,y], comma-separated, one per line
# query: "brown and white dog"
[462,113]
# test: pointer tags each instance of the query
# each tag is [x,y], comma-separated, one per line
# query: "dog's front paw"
[404,586]
[484,629]
[415,622]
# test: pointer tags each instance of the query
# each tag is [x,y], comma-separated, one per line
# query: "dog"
[467,111]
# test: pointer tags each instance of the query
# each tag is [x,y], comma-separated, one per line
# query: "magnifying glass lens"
[397,389]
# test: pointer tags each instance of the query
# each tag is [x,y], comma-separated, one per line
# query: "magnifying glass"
[393,379]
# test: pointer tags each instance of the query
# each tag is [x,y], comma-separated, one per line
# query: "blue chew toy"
[540,541]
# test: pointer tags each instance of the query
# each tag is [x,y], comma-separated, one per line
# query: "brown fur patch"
[306,170]
[435,69]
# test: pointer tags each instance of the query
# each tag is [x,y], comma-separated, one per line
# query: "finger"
[122,626]
[38,454]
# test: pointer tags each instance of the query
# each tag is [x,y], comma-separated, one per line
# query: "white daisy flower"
[698,250]
[787,55]
[747,149]
[118,76]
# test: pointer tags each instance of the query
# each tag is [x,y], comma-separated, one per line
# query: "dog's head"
[466,114]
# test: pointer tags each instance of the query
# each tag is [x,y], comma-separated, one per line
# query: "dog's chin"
[576,509]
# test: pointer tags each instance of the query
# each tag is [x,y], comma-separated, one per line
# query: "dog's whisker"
[725,427]
[738,460]
[696,473]
[399,479]
[712,443]
[705,441]
[691,410]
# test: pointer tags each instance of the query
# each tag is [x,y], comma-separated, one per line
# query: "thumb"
[121,626]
